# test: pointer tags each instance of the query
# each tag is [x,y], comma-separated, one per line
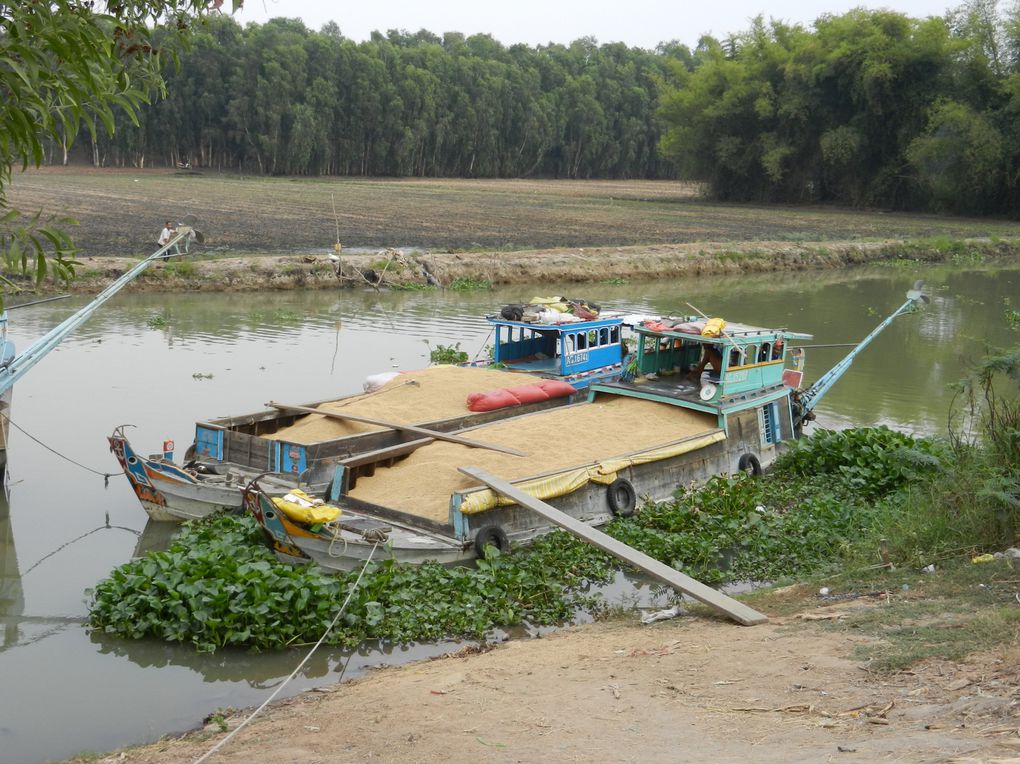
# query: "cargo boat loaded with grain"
[540,361]
[669,422]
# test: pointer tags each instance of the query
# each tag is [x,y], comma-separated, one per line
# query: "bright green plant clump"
[870,461]
[742,528]
[218,585]
[449,354]
[820,499]
[465,284]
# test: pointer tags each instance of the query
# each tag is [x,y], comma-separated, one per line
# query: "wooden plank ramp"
[730,607]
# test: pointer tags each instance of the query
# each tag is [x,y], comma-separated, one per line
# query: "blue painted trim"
[458,519]
[337,484]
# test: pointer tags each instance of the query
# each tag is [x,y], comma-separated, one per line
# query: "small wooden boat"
[672,423]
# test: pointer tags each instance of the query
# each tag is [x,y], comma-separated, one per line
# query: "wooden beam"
[395,426]
[390,452]
[738,611]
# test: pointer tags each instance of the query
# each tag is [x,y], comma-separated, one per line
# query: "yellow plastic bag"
[302,508]
[713,327]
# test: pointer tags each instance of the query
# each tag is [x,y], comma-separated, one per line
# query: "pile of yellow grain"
[553,440]
[414,397]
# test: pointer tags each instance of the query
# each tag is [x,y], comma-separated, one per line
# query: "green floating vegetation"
[158,321]
[822,508]
[450,354]
[218,585]
[465,284]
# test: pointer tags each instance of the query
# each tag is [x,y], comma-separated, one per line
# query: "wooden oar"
[395,426]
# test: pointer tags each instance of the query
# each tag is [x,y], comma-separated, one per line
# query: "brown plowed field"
[121,211]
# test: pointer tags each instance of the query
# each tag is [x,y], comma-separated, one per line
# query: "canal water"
[161,361]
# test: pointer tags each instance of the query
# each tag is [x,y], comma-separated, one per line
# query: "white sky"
[638,23]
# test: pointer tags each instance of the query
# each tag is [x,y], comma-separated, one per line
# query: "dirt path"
[688,690]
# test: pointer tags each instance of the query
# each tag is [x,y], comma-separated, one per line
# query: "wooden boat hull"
[169,493]
[344,548]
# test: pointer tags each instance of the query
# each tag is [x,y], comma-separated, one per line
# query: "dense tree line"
[869,108]
[279,99]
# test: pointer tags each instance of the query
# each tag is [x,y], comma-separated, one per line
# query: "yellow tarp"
[714,327]
[604,473]
[302,508]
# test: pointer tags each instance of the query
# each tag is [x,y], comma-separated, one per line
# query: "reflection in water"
[12,596]
[266,670]
[21,629]
[155,537]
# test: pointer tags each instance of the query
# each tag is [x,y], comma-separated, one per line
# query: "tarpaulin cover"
[604,473]
[302,508]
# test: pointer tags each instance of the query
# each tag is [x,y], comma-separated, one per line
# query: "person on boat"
[710,356]
[164,238]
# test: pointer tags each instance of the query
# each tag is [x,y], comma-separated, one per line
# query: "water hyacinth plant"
[218,586]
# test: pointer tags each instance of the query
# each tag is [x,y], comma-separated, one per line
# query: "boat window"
[581,340]
[614,334]
[735,358]
[751,354]
[604,336]
[766,352]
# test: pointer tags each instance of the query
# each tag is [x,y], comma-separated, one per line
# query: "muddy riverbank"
[417,270]
[787,691]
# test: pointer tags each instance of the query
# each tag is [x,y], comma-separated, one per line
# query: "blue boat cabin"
[566,350]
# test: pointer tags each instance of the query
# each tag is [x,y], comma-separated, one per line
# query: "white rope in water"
[315,647]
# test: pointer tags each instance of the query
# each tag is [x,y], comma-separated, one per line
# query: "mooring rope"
[286,681]
[76,539]
[104,475]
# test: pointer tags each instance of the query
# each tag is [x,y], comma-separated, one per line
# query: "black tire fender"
[749,465]
[491,535]
[622,497]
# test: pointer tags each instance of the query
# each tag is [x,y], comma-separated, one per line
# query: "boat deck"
[554,440]
[536,365]
[678,387]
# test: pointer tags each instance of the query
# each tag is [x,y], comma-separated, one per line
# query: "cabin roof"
[739,333]
[568,324]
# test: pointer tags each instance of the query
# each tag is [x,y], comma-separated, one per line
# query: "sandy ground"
[688,690]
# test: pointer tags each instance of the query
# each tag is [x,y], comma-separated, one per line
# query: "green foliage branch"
[65,65]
